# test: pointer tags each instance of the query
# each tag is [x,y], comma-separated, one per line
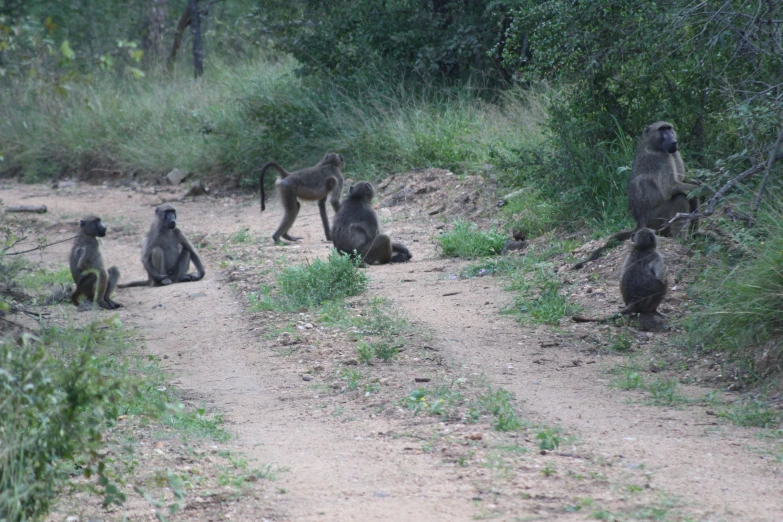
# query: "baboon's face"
[662,136]
[167,215]
[92,226]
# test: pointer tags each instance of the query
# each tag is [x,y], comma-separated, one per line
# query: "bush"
[467,240]
[57,397]
[315,283]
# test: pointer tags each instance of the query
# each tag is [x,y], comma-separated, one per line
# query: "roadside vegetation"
[545,98]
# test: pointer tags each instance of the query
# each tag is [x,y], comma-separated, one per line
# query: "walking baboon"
[87,267]
[311,184]
[657,190]
[166,253]
[643,281]
[357,228]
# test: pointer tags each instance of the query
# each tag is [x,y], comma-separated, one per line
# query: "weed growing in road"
[620,342]
[243,235]
[364,353]
[664,393]
[549,469]
[351,377]
[628,377]
[549,439]
[467,240]
[539,299]
[313,284]
[753,413]
[498,403]
[385,351]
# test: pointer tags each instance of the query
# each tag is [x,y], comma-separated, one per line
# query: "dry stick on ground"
[725,188]
[763,184]
[38,209]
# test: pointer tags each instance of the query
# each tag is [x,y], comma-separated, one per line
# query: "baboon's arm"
[193,255]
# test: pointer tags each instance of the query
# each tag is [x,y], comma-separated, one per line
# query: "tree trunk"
[152,42]
[198,50]
[184,22]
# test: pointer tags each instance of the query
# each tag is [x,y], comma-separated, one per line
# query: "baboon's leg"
[114,276]
[85,287]
[287,194]
[678,204]
[401,254]
[100,289]
[158,260]
[324,218]
[183,264]
[378,251]
[693,204]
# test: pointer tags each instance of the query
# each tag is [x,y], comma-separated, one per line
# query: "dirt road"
[363,466]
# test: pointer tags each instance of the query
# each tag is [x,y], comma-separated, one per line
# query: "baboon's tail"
[267,166]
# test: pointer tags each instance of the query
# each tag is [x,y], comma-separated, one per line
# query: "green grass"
[312,284]
[738,302]
[753,413]
[246,112]
[539,298]
[467,240]
[38,279]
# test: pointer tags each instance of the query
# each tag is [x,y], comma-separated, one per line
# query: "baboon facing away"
[657,190]
[87,266]
[357,228]
[166,253]
[643,281]
[314,183]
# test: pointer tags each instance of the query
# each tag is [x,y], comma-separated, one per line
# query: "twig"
[39,247]
[719,194]
[763,183]
[38,209]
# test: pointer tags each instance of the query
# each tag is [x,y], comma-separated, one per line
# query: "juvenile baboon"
[166,253]
[657,190]
[87,267]
[357,228]
[643,281]
[310,184]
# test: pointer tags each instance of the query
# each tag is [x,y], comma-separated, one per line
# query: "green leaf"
[66,51]
[137,73]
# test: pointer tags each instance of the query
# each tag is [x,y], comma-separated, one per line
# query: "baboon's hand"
[165,281]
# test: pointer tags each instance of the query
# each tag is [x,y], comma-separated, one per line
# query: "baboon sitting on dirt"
[357,229]
[87,267]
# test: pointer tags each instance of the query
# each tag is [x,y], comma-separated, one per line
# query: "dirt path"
[349,469]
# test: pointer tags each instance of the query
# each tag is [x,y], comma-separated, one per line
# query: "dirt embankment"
[361,454]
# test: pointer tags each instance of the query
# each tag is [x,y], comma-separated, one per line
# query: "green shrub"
[467,240]
[57,397]
[315,283]
[739,301]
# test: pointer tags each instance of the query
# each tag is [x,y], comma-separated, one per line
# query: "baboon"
[643,281]
[657,190]
[166,253]
[87,267]
[357,228]
[311,184]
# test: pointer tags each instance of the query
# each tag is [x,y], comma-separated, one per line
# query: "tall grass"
[739,304]
[243,114]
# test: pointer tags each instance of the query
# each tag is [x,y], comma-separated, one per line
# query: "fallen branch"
[38,209]
[713,202]
[39,247]
[763,184]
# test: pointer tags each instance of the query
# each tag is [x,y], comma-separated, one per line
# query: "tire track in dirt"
[711,468]
[336,471]
[347,471]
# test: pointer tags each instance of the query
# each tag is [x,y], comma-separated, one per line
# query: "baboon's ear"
[350,190]
[81,223]
[647,129]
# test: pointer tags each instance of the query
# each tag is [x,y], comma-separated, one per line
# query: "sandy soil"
[361,469]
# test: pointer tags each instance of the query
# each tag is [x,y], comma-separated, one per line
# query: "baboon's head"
[333,158]
[661,136]
[644,239]
[167,216]
[362,191]
[92,226]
